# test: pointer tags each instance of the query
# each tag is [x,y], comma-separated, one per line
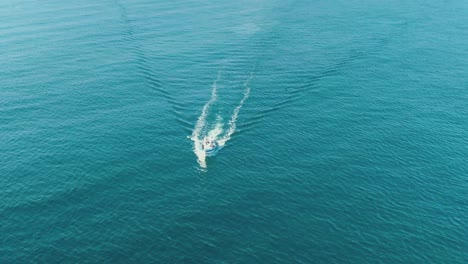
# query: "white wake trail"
[235,114]
[215,132]
[202,118]
[197,141]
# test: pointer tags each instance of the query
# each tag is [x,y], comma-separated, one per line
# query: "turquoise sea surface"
[342,131]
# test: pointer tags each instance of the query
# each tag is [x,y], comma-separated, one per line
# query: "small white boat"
[209,147]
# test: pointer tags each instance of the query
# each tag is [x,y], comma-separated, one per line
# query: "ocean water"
[342,129]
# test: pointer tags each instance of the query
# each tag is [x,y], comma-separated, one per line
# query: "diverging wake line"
[208,138]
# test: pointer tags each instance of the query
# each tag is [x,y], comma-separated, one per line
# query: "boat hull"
[210,152]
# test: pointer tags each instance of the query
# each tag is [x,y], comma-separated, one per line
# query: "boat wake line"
[203,131]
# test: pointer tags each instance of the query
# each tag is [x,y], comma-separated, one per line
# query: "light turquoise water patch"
[343,123]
